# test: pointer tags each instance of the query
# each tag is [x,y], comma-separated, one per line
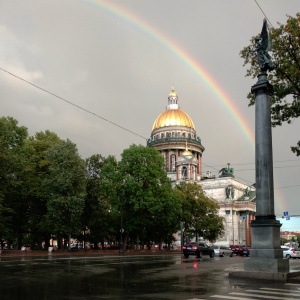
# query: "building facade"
[174,136]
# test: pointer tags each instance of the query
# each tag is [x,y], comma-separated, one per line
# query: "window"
[173,161]
[167,162]
[184,173]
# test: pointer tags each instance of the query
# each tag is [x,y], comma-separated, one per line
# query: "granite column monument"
[266,253]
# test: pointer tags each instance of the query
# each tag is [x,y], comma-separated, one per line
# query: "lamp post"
[181,235]
[121,228]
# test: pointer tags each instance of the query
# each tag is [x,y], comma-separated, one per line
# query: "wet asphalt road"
[135,277]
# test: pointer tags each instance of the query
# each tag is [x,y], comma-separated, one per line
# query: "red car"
[235,249]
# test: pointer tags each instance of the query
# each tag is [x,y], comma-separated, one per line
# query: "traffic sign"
[285,213]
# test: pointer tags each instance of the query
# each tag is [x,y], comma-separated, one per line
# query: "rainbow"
[140,24]
[178,51]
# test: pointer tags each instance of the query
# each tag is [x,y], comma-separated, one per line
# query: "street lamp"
[181,235]
[121,228]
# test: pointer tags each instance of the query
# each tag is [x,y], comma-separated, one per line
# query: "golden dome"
[173,117]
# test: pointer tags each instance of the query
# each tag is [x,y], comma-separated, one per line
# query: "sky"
[117,61]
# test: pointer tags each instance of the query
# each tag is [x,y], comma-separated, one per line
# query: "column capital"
[262,85]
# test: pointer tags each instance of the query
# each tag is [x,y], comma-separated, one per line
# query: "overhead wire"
[263,13]
[250,182]
[252,163]
[128,130]
[73,104]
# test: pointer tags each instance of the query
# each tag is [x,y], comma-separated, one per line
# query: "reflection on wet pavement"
[118,277]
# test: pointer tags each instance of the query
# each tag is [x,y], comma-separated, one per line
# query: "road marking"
[230,297]
[282,290]
[262,293]
[275,293]
[263,296]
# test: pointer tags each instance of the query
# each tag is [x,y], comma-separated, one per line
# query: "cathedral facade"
[174,136]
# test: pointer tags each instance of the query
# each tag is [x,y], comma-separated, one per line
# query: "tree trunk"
[137,242]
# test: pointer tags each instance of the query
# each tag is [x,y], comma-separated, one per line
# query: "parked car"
[243,250]
[235,248]
[76,246]
[197,248]
[290,252]
[222,251]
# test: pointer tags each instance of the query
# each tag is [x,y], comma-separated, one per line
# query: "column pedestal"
[266,253]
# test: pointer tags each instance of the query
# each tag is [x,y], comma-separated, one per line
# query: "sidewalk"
[20,253]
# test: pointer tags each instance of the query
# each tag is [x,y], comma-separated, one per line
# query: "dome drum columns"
[171,132]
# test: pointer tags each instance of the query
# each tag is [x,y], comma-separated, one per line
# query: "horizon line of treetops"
[48,191]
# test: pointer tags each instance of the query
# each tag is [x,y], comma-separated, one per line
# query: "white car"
[222,251]
[290,252]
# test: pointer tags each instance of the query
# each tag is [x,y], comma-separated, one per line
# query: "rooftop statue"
[263,46]
[226,172]
[247,192]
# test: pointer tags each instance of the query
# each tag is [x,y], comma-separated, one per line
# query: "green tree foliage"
[285,52]
[199,213]
[47,190]
[165,217]
[13,168]
[12,139]
[98,216]
[64,184]
[39,144]
[145,194]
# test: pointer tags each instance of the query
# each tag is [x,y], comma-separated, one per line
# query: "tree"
[13,168]
[285,51]
[64,184]
[199,213]
[144,193]
[164,218]
[39,144]
[98,216]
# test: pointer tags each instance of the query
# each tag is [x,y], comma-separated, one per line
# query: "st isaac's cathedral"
[174,136]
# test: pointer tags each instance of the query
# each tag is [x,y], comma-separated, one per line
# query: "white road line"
[282,290]
[230,297]
[274,293]
[263,296]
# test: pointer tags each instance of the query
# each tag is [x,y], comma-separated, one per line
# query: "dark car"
[243,250]
[198,249]
[235,249]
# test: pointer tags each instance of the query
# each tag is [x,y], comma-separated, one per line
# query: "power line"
[253,163]
[115,124]
[250,182]
[73,104]
[281,167]
[285,187]
[263,13]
